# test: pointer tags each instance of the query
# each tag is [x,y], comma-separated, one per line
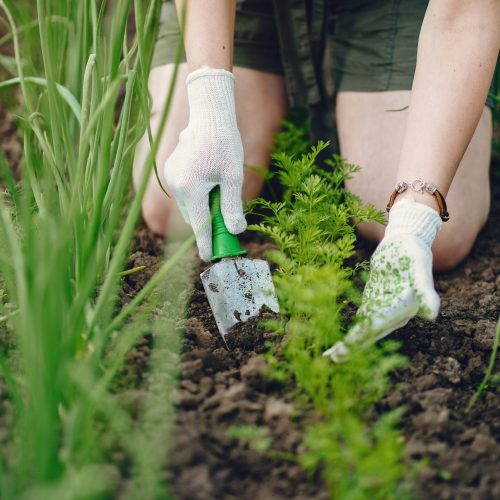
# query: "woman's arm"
[209,152]
[208,32]
[457,52]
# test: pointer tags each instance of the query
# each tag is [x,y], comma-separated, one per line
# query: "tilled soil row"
[221,388]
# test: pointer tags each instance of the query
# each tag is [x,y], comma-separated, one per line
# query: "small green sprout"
[256,437]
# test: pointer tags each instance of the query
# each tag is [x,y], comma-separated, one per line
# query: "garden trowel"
[237,288]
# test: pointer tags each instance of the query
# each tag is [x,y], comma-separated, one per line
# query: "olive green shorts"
[373,43]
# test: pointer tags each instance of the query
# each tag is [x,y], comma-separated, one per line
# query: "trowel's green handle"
[224,244]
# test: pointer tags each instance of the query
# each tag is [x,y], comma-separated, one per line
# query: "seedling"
[360,456]
[487,377]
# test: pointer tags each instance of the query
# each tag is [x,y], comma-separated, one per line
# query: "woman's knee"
[452,247]
[456,238]
[162,216]
[155,216]
[450,254]
[159,212]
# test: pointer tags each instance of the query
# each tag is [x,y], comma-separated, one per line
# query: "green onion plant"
[66,227]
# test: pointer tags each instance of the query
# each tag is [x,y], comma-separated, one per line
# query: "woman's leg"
[372,137]
[261,105]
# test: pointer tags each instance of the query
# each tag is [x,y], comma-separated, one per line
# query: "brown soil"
[9,140]
[221,388]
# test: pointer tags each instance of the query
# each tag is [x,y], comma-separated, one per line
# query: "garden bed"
[238,433]
[221,389]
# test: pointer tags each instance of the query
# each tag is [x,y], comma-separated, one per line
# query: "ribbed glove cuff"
[410,217]
[211,97]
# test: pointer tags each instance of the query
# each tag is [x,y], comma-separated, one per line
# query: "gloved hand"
[400,284]
[209,153]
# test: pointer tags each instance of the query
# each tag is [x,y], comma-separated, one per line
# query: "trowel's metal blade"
[237,288]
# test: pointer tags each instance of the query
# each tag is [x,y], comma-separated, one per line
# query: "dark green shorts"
[373,42]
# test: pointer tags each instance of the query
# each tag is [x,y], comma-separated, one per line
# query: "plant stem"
[487,376]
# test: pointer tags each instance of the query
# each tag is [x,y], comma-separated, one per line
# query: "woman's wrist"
[409,217]
[211,98]
[423,198]
[430,196]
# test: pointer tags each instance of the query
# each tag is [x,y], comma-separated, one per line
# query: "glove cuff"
[206,71]
[410,217]
[211,98]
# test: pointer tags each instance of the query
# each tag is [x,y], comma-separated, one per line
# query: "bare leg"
[261,105]
[372,137]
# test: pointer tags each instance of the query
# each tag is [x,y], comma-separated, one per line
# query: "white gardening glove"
[209,153]
[400,284]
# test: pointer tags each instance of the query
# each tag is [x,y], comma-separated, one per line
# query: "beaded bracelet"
[419,186]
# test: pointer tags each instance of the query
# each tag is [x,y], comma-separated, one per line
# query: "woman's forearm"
[457,52]
[208,32]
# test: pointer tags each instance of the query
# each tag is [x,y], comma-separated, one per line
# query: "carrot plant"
[65,228]
[360,454]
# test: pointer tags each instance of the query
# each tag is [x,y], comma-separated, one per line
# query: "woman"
[437,147]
